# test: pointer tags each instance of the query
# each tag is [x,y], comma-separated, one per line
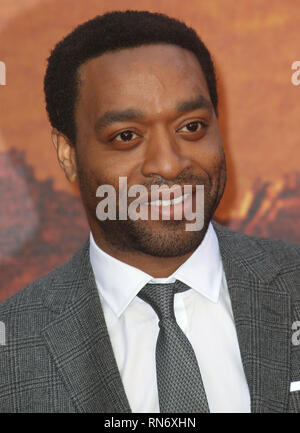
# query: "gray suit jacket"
[58,356]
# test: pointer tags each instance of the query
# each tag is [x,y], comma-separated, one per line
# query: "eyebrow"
[199,102]
[113,116]
[117,116]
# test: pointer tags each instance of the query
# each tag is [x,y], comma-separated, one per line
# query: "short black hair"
[109,32]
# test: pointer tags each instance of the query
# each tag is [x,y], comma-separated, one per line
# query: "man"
[150,316]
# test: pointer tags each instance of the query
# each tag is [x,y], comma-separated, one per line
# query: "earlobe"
[54,133]
[65,154]
[72,176]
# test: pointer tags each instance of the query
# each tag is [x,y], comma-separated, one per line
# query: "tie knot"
[161,297]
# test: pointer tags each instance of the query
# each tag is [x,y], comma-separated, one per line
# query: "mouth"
[172,209]
[156,197]
[164,203]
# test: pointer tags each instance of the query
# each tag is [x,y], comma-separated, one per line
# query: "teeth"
[167,202]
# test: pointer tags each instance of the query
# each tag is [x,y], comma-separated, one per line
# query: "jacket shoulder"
[285,256]
[30,298]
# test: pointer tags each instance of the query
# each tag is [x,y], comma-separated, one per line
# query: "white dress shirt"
[203,313]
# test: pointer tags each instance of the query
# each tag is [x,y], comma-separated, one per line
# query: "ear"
[65,154]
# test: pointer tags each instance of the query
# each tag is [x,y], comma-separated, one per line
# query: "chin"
[161,239]
[171,242]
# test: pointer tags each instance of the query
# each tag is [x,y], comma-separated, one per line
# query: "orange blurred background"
[253,43]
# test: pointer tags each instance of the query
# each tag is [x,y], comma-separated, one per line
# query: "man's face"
[145,113]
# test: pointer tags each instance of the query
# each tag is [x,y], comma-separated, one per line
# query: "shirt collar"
[119,283]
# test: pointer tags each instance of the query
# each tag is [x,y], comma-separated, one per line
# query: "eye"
[193,126]
[125,136]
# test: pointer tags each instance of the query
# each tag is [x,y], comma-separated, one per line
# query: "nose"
[163,155]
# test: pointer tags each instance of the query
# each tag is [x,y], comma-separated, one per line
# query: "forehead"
[157,74]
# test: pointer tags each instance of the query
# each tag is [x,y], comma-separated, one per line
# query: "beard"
[165,238]
[157,238]
[170,239]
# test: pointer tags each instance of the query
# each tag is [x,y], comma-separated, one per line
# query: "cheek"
[213,149]
[93,174]
[87,184]
[210,156]
[91,167]
[89,176]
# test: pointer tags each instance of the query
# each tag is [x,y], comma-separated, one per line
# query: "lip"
[172,211]
[155,195]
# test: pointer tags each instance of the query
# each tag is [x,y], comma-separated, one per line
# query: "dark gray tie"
[179,381]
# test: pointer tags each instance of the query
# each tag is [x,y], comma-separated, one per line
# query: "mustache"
[184,178]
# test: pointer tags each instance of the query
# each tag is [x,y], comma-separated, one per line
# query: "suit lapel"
[262,315]
[79,343]
[78,340]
